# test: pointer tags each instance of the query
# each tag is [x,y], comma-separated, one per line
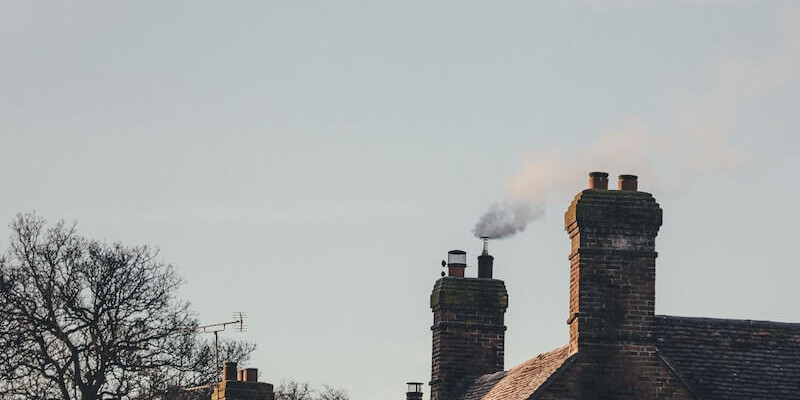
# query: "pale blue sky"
[311,162]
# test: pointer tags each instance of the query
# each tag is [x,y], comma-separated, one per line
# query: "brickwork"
[413,395]
[468,332]
[616,372]
[241,385]
[612,301]
[612,266]
[618,348]
[239,390]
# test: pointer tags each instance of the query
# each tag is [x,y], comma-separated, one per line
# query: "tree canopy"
[85,320]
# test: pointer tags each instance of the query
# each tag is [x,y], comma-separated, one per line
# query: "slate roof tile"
[719,359]
[733,359]
[520,382]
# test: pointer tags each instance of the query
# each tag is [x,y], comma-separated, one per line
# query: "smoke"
[505,219]
[695,142]
[545,176]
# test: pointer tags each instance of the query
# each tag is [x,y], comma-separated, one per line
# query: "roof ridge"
[752,322]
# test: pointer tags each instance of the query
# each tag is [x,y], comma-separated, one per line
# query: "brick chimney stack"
[612,296]
[241,385]
[612,263]
[468,332]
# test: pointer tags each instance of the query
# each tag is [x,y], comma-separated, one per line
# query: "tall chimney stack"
[468,332]
[612,264]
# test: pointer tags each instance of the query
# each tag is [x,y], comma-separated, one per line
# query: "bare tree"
[292,390]
[330,393]
[85,320]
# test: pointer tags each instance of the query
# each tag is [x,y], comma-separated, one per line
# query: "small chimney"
[241,385]
[456,263]
[414,391]
[598,180]
[485,261]
[628,182]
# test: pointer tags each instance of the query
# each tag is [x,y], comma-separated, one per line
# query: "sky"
[311,163]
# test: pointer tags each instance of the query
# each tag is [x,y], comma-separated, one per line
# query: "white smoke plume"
[697,142]
[504,219]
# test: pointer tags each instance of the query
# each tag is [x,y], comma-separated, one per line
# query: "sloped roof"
[719,359]
[732,359]
[520,382]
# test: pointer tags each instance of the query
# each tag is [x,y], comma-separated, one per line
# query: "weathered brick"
[468,332]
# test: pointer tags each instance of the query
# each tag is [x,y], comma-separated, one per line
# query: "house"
[618,347]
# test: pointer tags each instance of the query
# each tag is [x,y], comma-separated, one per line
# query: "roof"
[520,382]
[732,359]
[720,359]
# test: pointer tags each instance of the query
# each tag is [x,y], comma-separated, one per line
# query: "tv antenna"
[237,324]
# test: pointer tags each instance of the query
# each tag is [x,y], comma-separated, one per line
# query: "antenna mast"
[238,326]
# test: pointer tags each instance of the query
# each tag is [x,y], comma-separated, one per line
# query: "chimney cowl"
[598,180]
[414,387]
[414,391]
[485,261]
[456,263]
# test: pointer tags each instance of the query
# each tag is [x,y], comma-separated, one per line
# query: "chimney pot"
[628,182]
[229,371]
[240,375]
[485,261]
[456,262]
[414,391]
[598,180]
[250,375]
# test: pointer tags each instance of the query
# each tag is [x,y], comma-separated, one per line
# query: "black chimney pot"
[485,261]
